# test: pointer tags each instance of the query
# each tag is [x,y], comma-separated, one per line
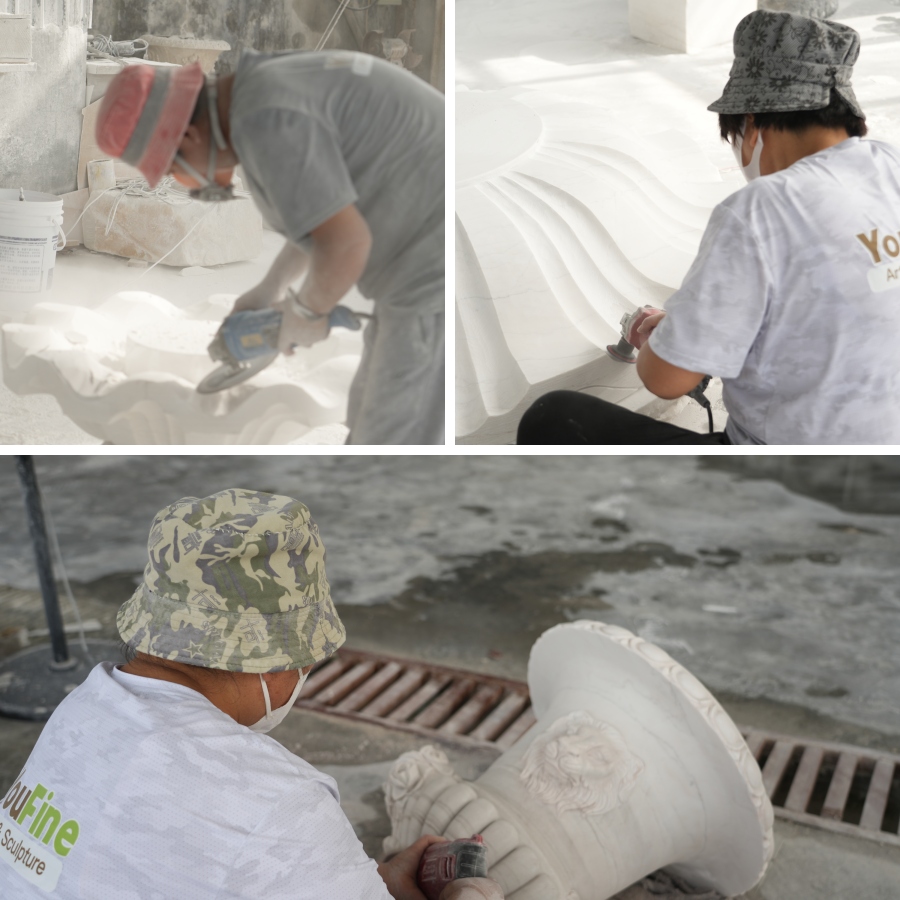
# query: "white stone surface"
[631,767]
[127,373]
[60,389]
[184,50]
[604,210]
[687,25]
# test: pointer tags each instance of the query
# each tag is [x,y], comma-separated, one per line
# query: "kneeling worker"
[344,155]
[793,297]
[156,779]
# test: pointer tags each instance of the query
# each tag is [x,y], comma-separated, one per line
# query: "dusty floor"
[466,560]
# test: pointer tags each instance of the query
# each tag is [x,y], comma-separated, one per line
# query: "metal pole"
[28,479]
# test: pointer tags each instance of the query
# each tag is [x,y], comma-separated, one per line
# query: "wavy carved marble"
[126,372]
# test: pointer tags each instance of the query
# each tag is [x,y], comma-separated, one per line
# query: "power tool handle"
[344,317]
[634,337]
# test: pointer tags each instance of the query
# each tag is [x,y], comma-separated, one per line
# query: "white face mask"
[275,717]
[751,171]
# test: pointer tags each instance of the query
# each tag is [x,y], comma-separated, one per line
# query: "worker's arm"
[662,378]
[659,377]
[340,252]
[289,265]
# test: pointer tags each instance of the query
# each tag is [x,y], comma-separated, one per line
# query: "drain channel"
[432,701]
[833,786]
[841,788]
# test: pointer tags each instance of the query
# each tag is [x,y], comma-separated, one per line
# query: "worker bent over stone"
[344,155]
[792,300]
[155,779]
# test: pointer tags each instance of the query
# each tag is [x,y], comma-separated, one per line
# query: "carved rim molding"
[706,705]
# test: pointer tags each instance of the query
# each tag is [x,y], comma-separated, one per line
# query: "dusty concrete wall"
[40,122]
[272,25]
[266,25]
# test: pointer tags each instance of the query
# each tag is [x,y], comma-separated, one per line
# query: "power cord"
[698,394]
[54,542]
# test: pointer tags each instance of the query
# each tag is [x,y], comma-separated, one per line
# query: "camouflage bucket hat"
[235,581]
[786,63]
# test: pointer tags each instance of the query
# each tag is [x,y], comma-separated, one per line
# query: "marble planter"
[687,25]
[631,767]
[126,372]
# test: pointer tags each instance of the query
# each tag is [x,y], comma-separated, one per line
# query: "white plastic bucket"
[30,234]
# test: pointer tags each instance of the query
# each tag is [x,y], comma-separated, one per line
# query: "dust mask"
[210,190]
[750,171]
[275,717]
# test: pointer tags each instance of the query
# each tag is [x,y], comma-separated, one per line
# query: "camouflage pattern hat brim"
[234,581]
[786,63]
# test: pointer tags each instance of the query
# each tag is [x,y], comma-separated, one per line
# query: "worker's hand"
[472,889]
[399,873]
[260,297]
[300,332]
[642,327]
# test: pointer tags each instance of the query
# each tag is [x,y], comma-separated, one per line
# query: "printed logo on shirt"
[357,63]
[48,828]
[882,248]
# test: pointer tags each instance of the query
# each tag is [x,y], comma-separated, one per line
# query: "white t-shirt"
[793,300]
[157,794]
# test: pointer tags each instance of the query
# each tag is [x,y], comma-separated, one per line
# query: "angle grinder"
[442,864]
[624,352]
[247,342]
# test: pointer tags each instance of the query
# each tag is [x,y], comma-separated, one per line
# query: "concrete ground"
[465,561]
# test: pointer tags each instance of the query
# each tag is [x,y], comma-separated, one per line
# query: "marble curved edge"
[702,701]
[278,406]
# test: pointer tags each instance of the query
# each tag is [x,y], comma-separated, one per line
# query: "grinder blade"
[230,374]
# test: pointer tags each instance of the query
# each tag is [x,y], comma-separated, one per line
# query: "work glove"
[298,331]
[260,297]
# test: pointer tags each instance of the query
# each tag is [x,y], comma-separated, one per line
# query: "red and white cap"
[144,114]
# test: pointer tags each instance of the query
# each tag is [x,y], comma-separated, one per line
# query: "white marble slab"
[687,25]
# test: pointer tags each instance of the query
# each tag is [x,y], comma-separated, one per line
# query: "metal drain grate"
[845,789]
[433,701]
[834,786]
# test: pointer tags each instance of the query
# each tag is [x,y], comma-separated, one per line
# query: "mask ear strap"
[262,681]
[200,179]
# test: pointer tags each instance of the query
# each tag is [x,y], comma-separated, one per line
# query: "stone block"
[147,228]
[819,9]
[687,25]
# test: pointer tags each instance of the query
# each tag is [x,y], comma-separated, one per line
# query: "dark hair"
[199,108]
[836,115]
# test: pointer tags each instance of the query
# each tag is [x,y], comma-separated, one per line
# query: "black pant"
[567,417]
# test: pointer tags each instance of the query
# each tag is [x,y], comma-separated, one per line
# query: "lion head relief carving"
[581,764]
